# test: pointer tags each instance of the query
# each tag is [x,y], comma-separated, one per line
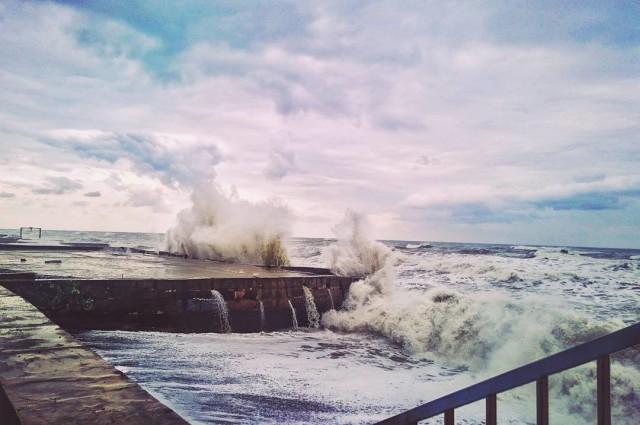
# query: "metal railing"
[599,350]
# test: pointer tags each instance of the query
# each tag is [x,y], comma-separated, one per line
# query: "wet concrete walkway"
[47,377]
[119,265]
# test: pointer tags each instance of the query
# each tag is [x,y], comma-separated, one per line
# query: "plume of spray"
[222,226]
[356,253]
[483,331]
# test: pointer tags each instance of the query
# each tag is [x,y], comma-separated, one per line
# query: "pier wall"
[178,305]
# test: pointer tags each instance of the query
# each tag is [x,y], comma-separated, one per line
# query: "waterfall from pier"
[261,315]
[294,319]
[223,311]
[312,310]
[333,306]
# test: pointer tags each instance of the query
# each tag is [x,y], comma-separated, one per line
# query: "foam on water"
[279,377]
[484,331]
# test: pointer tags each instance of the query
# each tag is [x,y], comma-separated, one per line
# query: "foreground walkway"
[47,377]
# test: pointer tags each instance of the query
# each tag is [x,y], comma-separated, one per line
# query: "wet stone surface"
[48,377]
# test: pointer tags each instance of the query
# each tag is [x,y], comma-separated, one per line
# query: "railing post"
[449,417]
[492,410]
[603,376]
[542,400]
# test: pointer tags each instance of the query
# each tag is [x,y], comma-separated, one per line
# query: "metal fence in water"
[598,350]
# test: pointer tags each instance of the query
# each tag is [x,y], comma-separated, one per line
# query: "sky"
[471,121]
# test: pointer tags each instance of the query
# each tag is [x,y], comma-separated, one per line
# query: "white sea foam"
[487,332]
[525,248]
[223,226]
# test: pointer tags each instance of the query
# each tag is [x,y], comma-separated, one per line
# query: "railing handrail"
[567,359]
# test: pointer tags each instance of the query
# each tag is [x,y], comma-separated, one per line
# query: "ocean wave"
[486,332]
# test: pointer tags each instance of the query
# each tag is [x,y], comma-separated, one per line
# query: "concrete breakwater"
[253,304]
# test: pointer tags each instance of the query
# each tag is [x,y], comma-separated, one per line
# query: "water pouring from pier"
[294,319]
[262,317]
[312,310]
[223,311]
[333,306]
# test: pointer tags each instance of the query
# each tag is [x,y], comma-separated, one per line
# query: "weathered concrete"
[123,265]
[111,291]
[176,305]
[47,377]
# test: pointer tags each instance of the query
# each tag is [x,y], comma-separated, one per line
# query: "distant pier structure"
[31,229]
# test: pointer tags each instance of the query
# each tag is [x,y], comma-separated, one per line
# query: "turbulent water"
[429,319]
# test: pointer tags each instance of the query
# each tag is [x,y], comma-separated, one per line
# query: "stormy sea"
[430,318]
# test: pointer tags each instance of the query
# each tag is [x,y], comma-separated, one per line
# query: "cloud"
[470,203]
[462,120]
[58,186]
[281,162]
[174,160]
[95,194]
[145,197]
[7,195]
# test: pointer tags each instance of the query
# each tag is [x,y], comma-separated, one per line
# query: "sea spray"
[312,311]
[294,319]
[222,226]
[356,253]
[223,311]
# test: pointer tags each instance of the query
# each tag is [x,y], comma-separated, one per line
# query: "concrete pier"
[112,291]
[178,305]
[47,377]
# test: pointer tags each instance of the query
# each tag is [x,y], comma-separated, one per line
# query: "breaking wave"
[355,253]
[222,226]
[487,333]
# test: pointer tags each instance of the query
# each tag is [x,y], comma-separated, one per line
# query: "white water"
[484,332]
[294,319]
[222,226]
[312,311]
[223,310]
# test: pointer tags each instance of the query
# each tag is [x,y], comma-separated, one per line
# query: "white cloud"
[441,119]
[281,162]
[173,159]
[145,197]
[58,186]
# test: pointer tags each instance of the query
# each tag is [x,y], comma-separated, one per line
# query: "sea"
[430,318]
